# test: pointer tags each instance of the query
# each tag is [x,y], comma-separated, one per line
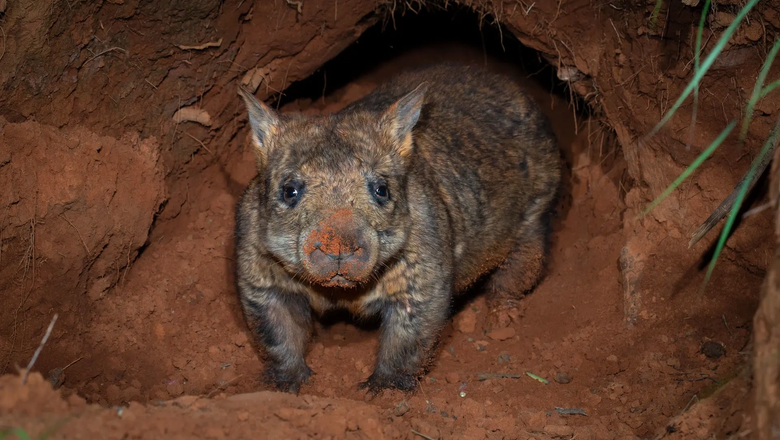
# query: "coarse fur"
[390,207]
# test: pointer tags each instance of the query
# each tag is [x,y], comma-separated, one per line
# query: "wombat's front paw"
[288,379]
[380,381]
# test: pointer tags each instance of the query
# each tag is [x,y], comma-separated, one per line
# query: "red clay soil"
[128,237]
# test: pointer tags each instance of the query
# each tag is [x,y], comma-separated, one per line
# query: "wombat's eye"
[292,192]
[381,192]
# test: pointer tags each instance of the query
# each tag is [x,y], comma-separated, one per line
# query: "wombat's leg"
[410,329]
[518,274]
[283,322]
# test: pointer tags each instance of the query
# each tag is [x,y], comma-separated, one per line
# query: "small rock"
[481,345]
[113,394]
[502,334]
[559,430]
[504,358]
[57,377]
[130,394]
[175,389]
[452,377]
[723,19]
[673,362]
[401,409]
[562,378]
[466,321]
[754,32]
[537,421]
[713,350]
[243,416]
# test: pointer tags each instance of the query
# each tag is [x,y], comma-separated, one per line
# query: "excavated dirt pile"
[123,149]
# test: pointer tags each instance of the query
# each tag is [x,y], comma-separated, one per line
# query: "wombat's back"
[485,150]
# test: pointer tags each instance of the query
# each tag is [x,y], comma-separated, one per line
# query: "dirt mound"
[277,416]
[77,209]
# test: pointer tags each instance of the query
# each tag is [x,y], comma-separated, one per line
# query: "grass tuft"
[733,203]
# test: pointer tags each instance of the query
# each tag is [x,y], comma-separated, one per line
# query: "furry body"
[391,207]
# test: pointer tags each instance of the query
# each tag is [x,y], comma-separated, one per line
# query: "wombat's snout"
[337,252]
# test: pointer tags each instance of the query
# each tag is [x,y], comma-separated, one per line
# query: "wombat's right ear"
[263,120]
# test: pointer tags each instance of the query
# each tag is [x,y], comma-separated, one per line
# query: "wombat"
[389,208]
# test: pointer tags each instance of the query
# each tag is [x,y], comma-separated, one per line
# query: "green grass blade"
[696,58]
[706,64]
[758,89]
[692,167]
[699,32]
[656,11]
[19,432]
[769,88]
[766,149]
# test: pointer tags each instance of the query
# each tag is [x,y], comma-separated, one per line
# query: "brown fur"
[470,170]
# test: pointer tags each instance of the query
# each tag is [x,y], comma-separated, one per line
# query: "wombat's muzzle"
[337,253]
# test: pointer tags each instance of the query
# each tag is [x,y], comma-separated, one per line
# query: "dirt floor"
[129,234]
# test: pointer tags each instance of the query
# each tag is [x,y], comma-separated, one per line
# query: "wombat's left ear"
[402,116]
[262,119]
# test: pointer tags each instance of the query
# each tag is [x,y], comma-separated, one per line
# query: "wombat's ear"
[402,116]
[262,119]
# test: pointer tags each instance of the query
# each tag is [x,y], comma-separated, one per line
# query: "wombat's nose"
[337,248]
[343,254]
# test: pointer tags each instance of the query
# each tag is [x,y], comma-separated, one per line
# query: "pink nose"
[336,252]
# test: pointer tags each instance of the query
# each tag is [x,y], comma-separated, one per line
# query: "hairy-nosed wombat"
[390,207]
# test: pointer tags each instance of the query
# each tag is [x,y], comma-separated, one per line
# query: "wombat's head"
[335,197]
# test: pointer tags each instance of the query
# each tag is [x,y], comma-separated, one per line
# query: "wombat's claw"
[289,381]
[376,383]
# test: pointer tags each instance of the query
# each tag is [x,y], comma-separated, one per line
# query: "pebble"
[466,321]
[562,378]
[537,421]
[502,334]
[713,350]
[452,377]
